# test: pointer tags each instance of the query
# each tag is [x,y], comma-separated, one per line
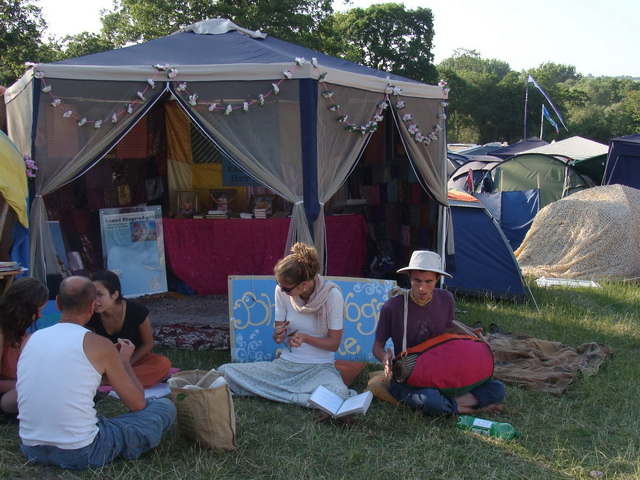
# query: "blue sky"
[597,37]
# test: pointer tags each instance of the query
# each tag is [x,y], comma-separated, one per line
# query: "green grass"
[594,427]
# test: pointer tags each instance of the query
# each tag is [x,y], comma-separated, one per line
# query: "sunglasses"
[289,289]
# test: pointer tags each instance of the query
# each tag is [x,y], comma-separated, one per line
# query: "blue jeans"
[432,402]
[128,436]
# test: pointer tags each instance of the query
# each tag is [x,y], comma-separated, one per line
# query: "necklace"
[420,303]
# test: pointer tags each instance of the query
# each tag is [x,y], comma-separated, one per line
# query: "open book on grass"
[331,403]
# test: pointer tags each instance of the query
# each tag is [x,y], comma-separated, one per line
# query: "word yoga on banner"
[133,248]
[252,310]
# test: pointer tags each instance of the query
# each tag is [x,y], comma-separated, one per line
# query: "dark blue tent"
[521,146]
[623,161]
[483,263]
[514,211]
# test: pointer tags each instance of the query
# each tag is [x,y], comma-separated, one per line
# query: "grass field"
[593,431]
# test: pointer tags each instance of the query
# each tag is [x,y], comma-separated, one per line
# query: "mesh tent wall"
[295,125]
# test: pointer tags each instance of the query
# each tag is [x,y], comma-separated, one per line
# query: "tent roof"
[577,148]
[520,146]
[217,50]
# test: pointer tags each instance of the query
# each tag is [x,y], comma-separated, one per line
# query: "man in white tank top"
[59,372]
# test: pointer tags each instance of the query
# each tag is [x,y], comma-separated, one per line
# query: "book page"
[326,400]
[358,404]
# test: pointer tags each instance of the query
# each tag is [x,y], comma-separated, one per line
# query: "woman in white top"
[309,314]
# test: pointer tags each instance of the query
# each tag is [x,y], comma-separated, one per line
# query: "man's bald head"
[76,295]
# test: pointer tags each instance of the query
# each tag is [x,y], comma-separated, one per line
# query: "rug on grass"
[188,336]
[543,365]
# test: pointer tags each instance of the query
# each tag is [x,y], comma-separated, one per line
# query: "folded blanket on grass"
[543,365]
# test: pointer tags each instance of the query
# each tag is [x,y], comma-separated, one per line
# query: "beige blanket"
[543,365]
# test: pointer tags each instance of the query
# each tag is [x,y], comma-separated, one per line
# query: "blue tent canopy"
[622,162]
[483,263]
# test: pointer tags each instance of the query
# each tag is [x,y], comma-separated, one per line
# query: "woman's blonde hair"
[299,266]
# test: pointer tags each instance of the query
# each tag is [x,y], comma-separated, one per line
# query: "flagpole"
[541,120]
[526,101]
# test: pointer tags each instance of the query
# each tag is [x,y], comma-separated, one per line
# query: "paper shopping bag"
[205,408]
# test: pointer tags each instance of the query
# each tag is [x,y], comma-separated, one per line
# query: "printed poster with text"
[133,247]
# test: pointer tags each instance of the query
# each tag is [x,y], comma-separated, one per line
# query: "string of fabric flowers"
[391,94]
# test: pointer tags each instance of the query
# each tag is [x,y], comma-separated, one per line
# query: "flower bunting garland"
[31,166]
[193,99]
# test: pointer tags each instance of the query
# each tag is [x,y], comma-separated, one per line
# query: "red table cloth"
[203,252]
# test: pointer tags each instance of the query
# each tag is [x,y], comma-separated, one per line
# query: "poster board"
[133,247]
[252,310]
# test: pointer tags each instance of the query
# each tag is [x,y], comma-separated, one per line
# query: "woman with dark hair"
[116,317]
[20,306]
[308,323]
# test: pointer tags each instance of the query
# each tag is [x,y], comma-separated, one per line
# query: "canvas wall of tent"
[622,161]
[554,178]
[590,235]
[290,118]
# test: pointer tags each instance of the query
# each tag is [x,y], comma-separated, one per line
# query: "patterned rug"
[187,336]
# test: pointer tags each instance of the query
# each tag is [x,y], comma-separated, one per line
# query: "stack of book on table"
[9,266]
[259,213]
[217,214]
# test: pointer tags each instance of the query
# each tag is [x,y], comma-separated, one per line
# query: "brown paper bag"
[205,414]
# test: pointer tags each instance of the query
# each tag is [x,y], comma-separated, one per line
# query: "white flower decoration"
[82,122]
[261,99]
[406,117]
[173,73]
[228,110]
[245,106]
[141,97]
[47,89]
[378,118]
[193,99]
[276,89]
[114,118]
[97,124]
[400,104]
[39,75]
[151,82]
[287,73]
[181,87]
[314,62]
[56,102]
[129,108]
[67,114]
[212,107]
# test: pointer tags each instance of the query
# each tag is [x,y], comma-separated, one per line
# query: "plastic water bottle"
[504,431]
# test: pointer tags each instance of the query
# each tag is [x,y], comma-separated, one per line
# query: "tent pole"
[526,101]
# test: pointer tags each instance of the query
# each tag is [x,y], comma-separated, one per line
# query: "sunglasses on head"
[288,289]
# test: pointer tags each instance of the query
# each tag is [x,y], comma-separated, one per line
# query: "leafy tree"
[133,21]
[470,61]
[21,27]
[82,44]
[388,37]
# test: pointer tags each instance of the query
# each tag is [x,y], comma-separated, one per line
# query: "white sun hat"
[427,261]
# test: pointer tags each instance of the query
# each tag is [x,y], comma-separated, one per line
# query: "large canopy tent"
[294,119]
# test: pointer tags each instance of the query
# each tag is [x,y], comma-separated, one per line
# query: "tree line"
[487,96]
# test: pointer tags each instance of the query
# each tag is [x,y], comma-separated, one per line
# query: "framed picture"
[187,203]
[263,202]
[222,199]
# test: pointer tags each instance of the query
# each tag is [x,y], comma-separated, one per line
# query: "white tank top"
[56,386]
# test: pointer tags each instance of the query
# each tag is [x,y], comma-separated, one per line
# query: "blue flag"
[533,80]
[545,112]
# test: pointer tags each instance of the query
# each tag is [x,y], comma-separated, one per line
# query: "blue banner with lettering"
[252,308]
[234,176]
